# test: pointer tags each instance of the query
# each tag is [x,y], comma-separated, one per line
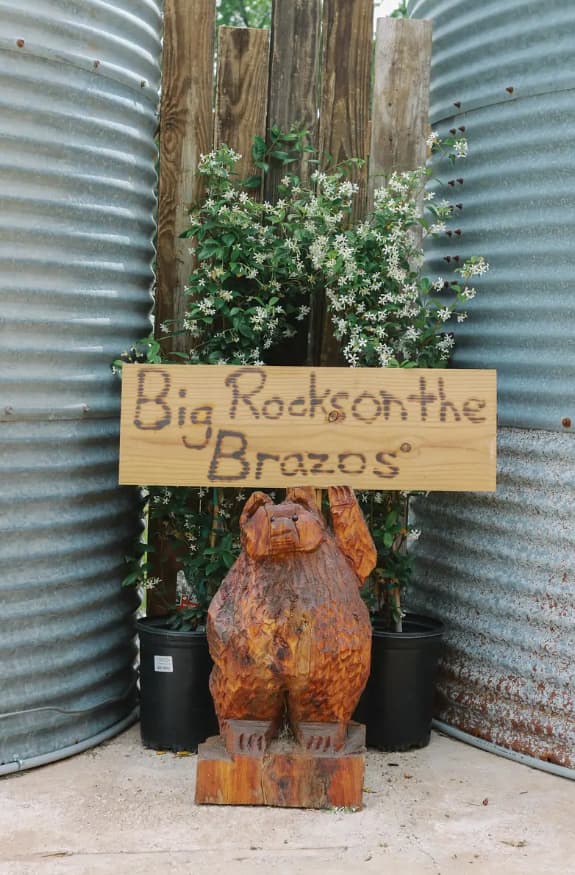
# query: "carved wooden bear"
[288,631]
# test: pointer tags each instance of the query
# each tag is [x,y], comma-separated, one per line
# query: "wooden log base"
[285,773]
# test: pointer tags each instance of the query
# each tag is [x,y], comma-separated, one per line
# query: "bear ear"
[255,501]
[305,495]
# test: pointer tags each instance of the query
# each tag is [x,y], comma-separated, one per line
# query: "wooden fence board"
[242,90]
[346,81]
[293,90]
[186,124]
[400,98]
[347,34]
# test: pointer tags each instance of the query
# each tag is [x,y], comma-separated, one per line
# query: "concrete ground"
[447,809]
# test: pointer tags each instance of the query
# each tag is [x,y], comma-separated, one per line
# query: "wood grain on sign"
[242,91]
[186,125]
[369,428]
[400,123]
[293,96]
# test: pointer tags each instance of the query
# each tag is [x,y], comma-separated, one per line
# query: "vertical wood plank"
[186,131]
[343,122]
[294,75]
[242,90]
[186,124]
[346,80]
[400,98]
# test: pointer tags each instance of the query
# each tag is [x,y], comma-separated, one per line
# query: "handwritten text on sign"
[369,428]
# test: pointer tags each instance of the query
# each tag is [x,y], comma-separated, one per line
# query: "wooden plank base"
[284,775]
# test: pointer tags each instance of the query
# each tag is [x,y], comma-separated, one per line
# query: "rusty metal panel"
[78,110]
[499,570]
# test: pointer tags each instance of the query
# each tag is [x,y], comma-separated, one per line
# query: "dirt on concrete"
[444,810]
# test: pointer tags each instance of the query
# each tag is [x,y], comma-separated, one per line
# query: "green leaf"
[252,182]
[133,578]
[391,518]
[258,148]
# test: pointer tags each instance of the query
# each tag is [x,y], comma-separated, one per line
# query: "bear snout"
[284,536]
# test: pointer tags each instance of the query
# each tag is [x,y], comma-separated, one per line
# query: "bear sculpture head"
[276,530]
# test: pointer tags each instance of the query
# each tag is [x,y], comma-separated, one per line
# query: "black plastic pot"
[397,703]
[176,707]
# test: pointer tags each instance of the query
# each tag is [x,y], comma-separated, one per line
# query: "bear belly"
[295,631]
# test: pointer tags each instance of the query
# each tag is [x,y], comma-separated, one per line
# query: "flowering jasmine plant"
[261,266]
[260,270]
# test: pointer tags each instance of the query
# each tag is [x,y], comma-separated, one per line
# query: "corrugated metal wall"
[501,569]
[78,97]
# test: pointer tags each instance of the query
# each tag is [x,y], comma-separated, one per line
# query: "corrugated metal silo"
[78,92]
[500,569]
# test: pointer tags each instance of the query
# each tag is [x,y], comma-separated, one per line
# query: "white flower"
[432,139]
[446,343]
[475,266]
[412,333]
[302,312]
[348,188]
[460,148]
[206,307]
[438,228]
[444,313]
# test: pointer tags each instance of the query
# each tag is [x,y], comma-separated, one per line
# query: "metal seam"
[474,106]
[72,712]
[104,69]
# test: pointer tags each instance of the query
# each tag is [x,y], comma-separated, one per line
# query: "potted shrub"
[180,568]
[397,704]
[261,271]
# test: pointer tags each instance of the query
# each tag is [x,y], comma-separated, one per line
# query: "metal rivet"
[20,43]
[566,422]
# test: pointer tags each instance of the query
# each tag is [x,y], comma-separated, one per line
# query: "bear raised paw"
[288,631]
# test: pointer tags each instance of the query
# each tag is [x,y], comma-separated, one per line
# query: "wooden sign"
[369,428]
